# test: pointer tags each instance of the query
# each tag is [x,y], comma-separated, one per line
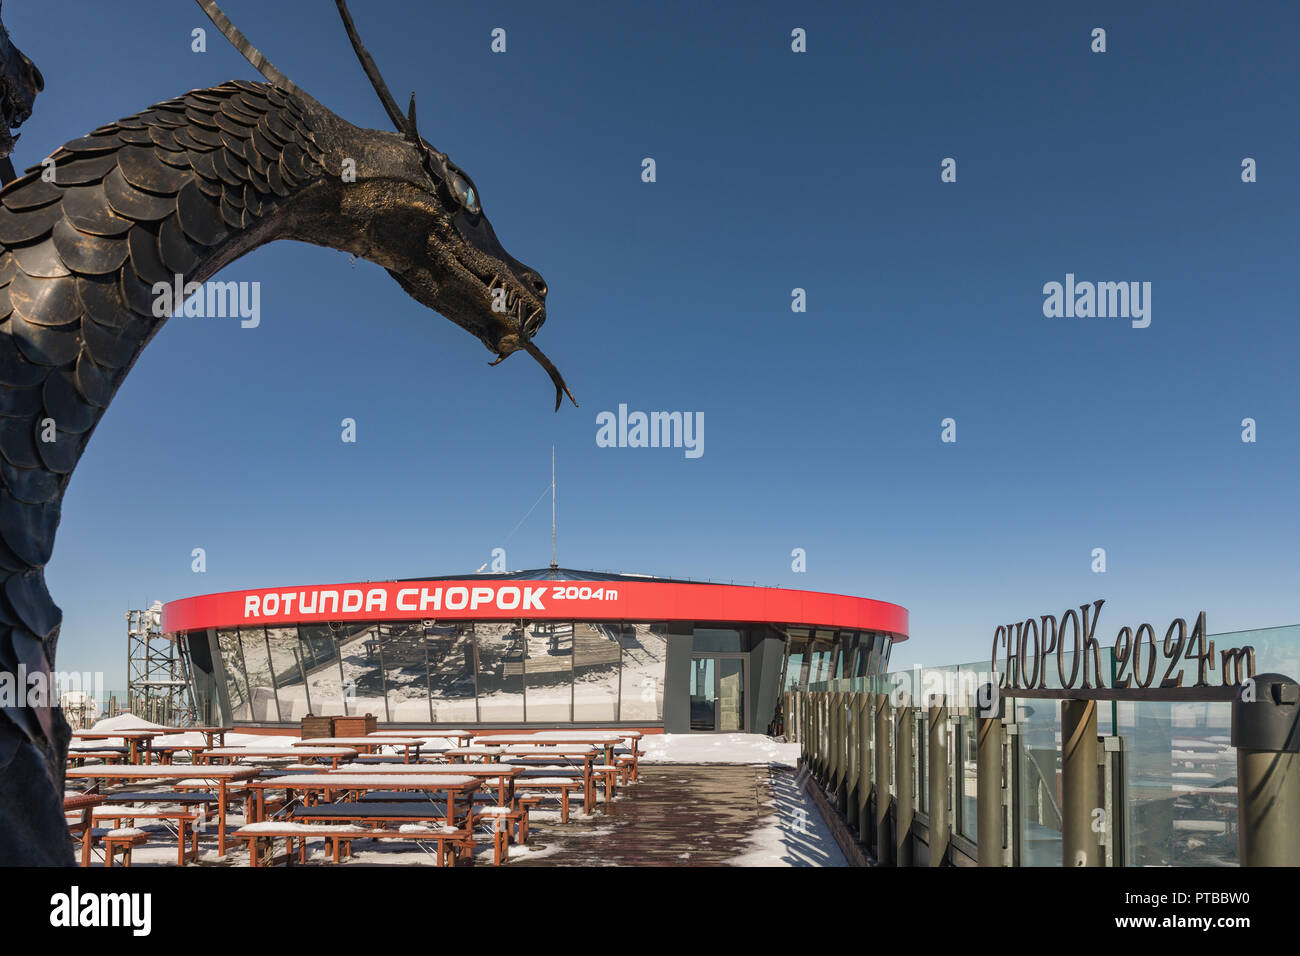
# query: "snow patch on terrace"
[718,748]
[795,834]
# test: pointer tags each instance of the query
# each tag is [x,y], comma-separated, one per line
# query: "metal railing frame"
[854,742]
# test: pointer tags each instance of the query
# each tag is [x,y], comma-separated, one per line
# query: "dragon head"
[419,215]
[20,81]
[463,271]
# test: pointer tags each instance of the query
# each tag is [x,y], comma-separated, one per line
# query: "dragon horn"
[377,81]
[246,49]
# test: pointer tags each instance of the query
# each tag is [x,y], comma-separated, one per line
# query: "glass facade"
[502,672]
[815,655]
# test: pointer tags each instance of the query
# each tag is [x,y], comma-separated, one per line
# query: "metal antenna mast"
[553,564]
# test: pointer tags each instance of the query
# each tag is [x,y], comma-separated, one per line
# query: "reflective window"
[867,646]
[287,672]
[596,653]
[363,681]
[645,653]
[500,671]
[921,723]
[451,672]
[321,662]
[719,640]
[820,663]
[969,813]
[548,670]
[232,661]
[848,641]
[204,677]
[261,689]
[797,658]
[403,655]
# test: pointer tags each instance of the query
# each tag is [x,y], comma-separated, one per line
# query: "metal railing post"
[1266,733]
[821,739]
[851,768]
[862,716]
[832,745]
[990,709]
[905,781]
[1079,783]
[884,842]
[938,781]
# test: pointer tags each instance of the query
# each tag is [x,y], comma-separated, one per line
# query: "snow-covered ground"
[795,834]
[717,748]
[791,834]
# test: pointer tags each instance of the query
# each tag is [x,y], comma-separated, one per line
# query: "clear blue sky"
[775,171]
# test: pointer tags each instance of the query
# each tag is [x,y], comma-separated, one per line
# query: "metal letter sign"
[1143,667]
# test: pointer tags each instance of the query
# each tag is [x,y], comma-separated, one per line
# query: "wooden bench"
[502,819]
[167,752]
[607,774]
[118,841]
[452,843]
[199,799]
[184,820]
[372,811]
[565,786]
[630,761]
[78,758]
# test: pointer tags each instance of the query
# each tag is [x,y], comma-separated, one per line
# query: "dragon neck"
[181,189]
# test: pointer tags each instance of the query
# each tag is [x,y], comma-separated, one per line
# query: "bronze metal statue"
[180,190]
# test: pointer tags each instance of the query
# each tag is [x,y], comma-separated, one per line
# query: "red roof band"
[480,599]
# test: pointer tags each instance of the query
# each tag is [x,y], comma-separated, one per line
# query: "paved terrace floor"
[693,815]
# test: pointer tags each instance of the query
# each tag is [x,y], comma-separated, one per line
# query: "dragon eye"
[464,193]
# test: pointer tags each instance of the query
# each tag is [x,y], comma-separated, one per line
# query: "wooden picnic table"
[587,753]
[504,774]
[607,741]
[633,737]
[222,776]
[367,745]
[186,819]
[86,752]
[210,733]
[462,737]
[226,755]
[325,785]
[133,739]
[85,803]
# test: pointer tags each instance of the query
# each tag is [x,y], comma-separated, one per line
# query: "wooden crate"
[355,726]
[317,727]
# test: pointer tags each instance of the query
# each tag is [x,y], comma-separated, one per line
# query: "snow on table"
[381,781]
[367,741]
[272,826]
[278,752]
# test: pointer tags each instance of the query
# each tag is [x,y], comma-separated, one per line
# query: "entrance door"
[718,694]
[704,695]
[731,695]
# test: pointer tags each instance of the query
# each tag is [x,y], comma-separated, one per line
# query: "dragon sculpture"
[180,190]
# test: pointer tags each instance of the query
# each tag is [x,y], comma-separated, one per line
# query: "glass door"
[704,694]
[731,695]
[718,694]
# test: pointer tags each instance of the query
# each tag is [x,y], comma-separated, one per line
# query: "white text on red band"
[421,600]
